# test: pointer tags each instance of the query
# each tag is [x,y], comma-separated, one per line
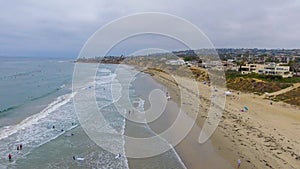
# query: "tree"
[295,66]
[240,64]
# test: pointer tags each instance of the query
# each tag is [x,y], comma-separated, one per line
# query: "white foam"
[140,106]
[105,79]
[36,130]
[9,130]
[104,70]
[62,86]
[123,132]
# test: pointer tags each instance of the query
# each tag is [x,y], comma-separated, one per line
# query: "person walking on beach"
[9,157]
[239,163]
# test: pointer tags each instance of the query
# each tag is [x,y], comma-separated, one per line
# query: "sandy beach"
[192,154]
[265,136]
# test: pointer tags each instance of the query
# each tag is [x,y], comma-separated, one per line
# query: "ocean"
[37,111]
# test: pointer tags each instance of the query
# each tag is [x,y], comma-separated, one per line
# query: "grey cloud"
[62,27]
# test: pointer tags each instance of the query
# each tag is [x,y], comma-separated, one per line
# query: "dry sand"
[266,136]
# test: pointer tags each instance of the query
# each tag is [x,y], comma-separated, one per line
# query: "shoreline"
[167,159]
[192,154]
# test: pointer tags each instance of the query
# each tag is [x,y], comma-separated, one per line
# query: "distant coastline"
[106,60]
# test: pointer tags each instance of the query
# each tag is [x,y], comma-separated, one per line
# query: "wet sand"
[165,160]
[192,154]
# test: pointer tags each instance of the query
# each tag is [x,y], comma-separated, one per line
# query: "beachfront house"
[251,68]
[276,69]
[269,69]
[230,65]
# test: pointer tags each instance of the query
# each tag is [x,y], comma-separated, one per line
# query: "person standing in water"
[9,157]
[21,146]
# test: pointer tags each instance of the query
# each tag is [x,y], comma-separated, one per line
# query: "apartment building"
[269,69]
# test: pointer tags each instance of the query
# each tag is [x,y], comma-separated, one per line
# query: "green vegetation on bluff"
[291,97]
[269,78]
[256,83]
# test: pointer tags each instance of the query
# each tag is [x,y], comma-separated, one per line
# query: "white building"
[276,69]
[251,68]
[175,62]
[270,69]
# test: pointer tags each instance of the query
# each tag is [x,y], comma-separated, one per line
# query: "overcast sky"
[61,27]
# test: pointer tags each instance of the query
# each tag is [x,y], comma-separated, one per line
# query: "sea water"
[37,111]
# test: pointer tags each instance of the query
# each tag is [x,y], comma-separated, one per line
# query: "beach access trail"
[294,86]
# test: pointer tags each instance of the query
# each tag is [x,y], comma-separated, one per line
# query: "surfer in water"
[78,158]
[118,156]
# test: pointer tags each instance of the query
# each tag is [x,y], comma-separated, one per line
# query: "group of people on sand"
[19,147]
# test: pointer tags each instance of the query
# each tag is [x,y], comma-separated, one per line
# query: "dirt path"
[295,85]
